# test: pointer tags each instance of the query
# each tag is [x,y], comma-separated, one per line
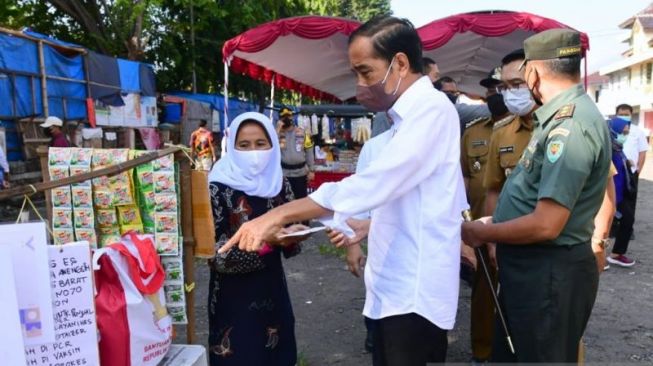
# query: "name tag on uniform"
[506,149]
[478,143]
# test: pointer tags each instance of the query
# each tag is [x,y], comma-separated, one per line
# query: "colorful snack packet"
[164,182]
[167,244]
[166,223]
[61,197]
[82,197]
[63,236]
[62,218]
[83,218]
[165,202]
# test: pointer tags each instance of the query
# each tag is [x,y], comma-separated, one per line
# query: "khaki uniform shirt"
[567,161]
[473,158]
[509,139]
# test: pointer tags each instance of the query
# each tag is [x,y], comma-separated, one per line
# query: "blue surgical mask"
[626,118]
[518,101]
[621,138]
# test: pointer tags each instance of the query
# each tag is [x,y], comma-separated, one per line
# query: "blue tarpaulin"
[129,76]
[73,94]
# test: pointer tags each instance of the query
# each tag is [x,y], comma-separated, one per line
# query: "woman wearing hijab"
[619,129]
[251,320]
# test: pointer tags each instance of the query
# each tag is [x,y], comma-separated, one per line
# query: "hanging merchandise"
[331,123]
[362,128]
[325,128]
[62,213]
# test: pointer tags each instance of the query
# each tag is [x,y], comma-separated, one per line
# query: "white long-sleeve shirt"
[415,189]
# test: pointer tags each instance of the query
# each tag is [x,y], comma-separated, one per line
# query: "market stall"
[465,46]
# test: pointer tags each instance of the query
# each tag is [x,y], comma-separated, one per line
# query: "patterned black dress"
[251,321]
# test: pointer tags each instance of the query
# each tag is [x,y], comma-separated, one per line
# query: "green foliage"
[159,32]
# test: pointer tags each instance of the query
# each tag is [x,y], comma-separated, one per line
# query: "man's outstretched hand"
[253,234]
[361,229]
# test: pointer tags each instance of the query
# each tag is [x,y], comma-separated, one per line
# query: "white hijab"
[229,170]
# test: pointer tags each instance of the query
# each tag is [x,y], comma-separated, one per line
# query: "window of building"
[630,77]
[649,72]
[641,74]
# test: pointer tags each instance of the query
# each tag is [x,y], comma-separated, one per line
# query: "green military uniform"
[508,142]
[548,289]
[473,157]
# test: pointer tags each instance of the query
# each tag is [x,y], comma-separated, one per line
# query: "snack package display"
[167,244]
[174,292]
[173,268]
[101,183]
[81,157]
[164,164]
[88,235]
[58,172]
[82,197]
[109,231]
[62,218]
[166,223]
[129,218]
[148,199]
[101,158]
[61,197]
[178,314]
[79,170]
[165,202]
[63,236]
[122,195]
[105,240]
[107,218]
[59,156]
[83,218]
[103,199]
[164,182]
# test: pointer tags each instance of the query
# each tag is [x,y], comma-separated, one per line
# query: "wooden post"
[42,152]
[44,81]
[129,138]
[189,241]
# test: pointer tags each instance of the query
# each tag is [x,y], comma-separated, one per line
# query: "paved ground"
[328,300]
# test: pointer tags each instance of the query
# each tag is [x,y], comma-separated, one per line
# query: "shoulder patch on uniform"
[476,121]
[503,122]
[565,111]
[559,131]
[554,150]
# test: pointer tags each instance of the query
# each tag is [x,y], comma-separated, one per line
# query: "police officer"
[543,222]
[297,157]
[475,145]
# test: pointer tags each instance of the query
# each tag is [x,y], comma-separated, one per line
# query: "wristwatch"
[603,243]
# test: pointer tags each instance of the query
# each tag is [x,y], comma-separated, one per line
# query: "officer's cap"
[493,79]
[552,44]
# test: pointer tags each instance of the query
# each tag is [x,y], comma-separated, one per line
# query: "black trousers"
[625,227]
[547,294]
[299,186]
[408,340]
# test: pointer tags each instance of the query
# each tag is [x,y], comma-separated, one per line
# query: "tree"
[159,31]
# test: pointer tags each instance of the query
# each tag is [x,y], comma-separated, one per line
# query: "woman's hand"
[355,259]
[361,229]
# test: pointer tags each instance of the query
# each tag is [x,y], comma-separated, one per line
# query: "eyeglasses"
[510,86]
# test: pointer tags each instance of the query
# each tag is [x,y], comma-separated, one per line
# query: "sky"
[600,19]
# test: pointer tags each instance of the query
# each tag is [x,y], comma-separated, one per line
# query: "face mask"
[496,105]
[452,97]
[252,162]
[287,122]
[537,100]
[621,138]
[518,101]
[374,98]
[626,118]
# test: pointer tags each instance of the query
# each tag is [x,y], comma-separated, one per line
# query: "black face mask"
[452,97]
[47,132]
[496,105]
[537,100]
[287,122]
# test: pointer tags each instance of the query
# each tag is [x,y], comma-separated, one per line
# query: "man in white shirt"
[415,192]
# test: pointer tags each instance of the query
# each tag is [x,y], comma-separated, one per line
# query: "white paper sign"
[74,310]
[11,338]
[29,255]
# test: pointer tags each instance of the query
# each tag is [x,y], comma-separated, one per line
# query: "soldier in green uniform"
[475,145]
[543,222]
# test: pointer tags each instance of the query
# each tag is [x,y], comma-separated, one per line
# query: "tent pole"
[272,97]
[44,81]
[225,122]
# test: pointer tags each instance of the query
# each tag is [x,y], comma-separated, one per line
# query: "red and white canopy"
[309,54]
